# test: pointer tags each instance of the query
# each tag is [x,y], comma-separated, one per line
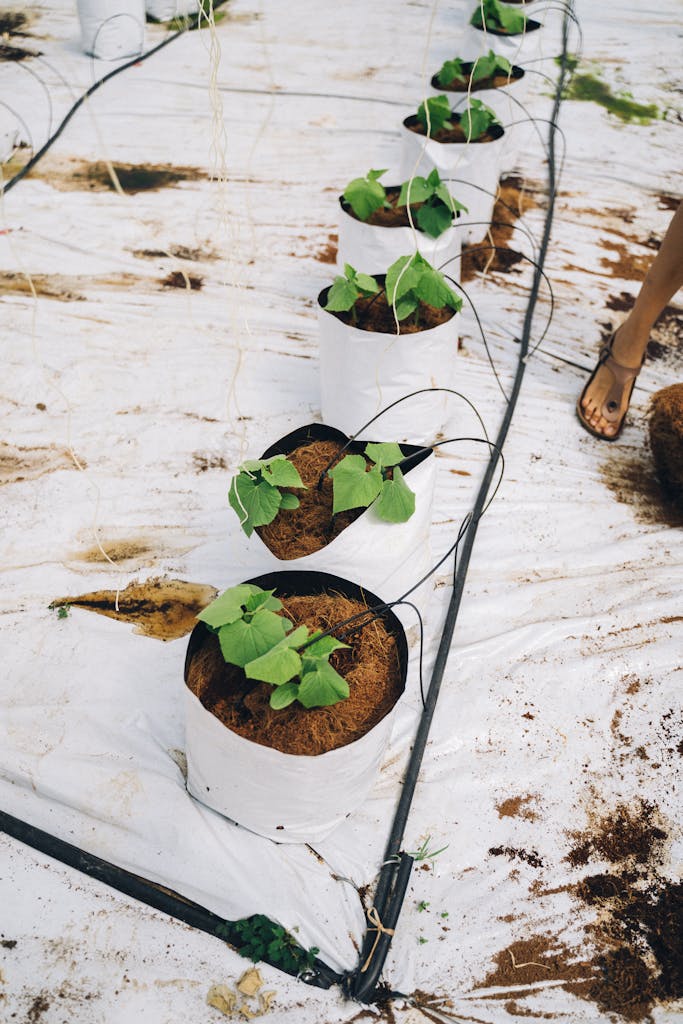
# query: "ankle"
[630,342]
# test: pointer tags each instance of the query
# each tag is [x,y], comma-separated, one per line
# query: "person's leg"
[663,280]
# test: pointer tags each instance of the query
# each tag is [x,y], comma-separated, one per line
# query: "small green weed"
[259,938]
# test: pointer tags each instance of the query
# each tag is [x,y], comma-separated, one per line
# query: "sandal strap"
[623,376]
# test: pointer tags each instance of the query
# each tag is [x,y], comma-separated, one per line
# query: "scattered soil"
[204,461]
[513,853]
[370,666]
[8,943]
[629,834]
[375,314]
[14,53]
[328,252]
[17,464]
[47,286]
[71,175]
[180,252]
[666,439]
[540,958]
[515,1010]
[176,279]
[668,202]
[39,1006]
[13,23]
[514,199]
[311,526]
[517,807]
[454,134]
[632,480]
[496,82]
[161,608]
[626,265]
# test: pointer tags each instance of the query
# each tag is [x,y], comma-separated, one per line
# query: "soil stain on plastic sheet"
[636,932]
[19,464]
[666,337]
[161,608]
[530,857]
[15,23]
[179,252]
[624,264]
[178,279]
[517,807]
[630,476]
[16,53]
[328,252]
[587,87]
[535,960]
[71,175]
[515,197]
[47,286]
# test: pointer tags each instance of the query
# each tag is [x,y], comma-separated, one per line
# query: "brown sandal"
[623,377]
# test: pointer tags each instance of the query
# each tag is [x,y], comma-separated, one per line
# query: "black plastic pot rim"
[380,278]
[516,76]
[344,204]
[495,132]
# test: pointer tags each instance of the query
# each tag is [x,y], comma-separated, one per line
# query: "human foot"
[605,398]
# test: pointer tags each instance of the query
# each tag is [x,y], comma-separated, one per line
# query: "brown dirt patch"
[665,201]
[370,666]
[161,608]
[39,1006]
[204,461]
[530,857]
[72,175]
[16,53]
[626,265]
[311,526]
[47,286]
[629,834]
[328,252]
[517,807]
[179,252]
[375,314]
[515,197]
[538,959]
[666,439]
[18,464]
[515,1010]
[14,23]
[177,279]
[632,480]
[666,338]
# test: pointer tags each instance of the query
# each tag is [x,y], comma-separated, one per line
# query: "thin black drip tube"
[362,983]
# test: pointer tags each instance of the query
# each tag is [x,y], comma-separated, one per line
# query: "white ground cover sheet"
[571,616]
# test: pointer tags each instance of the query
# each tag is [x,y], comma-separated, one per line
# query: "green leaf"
[420,190]
[342,296]
[280,662]
[366,284]
[451,71]
[262,599]
[433,290]
[442,193]
[365,195]
[289,501]
[434,218]
[396,503]
[399,281]
[498,16]
[322,687]
[322,648]
[384,455]
[439,108]
[279,472]
[229,605]
[241,642]
[374,175]
[476,119]
[255,501]
[352,486]
[283,696]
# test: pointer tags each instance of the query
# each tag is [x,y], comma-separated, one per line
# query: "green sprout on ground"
[486,66]
[259,938]
[424,853]
[476,120]
[434,114]
[421,939]
[255,493]
[382,485]
[435,206]
[254,636]
[491,14]
[422,905]
[61,609]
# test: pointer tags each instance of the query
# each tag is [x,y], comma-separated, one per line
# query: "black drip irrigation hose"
[166,900]
[393,880]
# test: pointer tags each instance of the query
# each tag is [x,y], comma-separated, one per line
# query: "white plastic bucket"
[362,372]
[289,798]
[372,249]
[112,29]
[469,170]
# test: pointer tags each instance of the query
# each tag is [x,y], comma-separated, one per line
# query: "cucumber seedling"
[255,492]
[432,205]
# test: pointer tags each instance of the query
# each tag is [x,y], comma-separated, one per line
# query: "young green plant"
[434,205]
[476,120]
[434,114]
[255,636]
[255,492]
[487,66]
[491,14]
[383,485]
[347,290]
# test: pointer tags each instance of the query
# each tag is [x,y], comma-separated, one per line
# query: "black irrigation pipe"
[141,889]
[361,984]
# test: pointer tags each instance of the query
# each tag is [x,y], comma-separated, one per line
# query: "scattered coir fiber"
[370,666]
[538,959]
[632,479]
[517,807]
[71,175]
[626,265]
[632,834]
[310,527]
[530,857]
[493,253]
[328,252]
[160,608]
[20,464]
[375,314]
[666,439]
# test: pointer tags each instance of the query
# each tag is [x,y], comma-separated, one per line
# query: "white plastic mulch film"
[559,699]
[112,29]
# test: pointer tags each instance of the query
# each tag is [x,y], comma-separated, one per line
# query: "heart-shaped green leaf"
[396,503]
[322,686]
[353,487]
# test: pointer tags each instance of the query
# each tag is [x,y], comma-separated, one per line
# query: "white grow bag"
[470,171]
[166,10]
[371,248]
[112,29]
[362,372]
[290,798]
[387,558]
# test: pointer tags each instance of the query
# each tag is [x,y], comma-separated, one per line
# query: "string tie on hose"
[376,923]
